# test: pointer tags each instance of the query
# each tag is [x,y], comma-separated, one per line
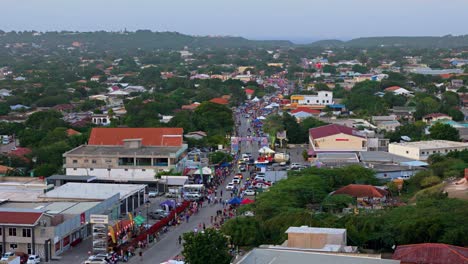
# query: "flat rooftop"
[315,230]
[118,151]
[92,191]
[432,144]
[66,208]
[382,157]
[21,191]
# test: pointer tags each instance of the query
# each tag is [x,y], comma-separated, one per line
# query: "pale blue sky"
[258,19]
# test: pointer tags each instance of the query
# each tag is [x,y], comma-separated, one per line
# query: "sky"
[296,20]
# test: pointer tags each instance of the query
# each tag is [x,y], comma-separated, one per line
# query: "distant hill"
[148,40]
[141,39]
[412,42]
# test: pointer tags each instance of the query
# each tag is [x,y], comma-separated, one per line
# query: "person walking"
[180,240]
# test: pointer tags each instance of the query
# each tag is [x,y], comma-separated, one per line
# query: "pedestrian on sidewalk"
[180,240]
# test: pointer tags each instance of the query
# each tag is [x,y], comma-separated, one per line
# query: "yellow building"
[336,138]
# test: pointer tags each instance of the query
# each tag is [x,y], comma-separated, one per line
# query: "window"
[74,168]
[93,161]
[326,94]
[86,161]
[143,169]
[13,246]
[91,169]
[27,233]
[12,231]
[29,249]
[1,229]
[446,151]
[75,161]
[317,101]
[422,152]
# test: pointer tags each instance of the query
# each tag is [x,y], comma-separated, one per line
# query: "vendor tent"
[255,99]
[235,200]
[266,150]
[169,203]
[206,171]
[261,118]
[139,220]
[247,201]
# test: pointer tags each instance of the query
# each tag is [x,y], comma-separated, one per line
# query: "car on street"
[192,196]
[295,165]
[245,157]
[230,186]
[249,192]
[158,214]
[96,261]
[6,255]
[153,194]
[242,168]
[260,177]
[33,259]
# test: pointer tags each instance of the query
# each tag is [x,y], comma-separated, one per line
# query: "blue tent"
[235,200]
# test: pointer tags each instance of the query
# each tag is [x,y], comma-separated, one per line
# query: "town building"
[434,117]
[127,154]
[421,150]
[431,253]
[322,98]
[396,90]
[336,138]
[320,239]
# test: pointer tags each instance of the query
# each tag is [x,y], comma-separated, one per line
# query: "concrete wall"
[340,142]
[315,240]
[115,174]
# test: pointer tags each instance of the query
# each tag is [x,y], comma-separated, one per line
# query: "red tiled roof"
[190,106]
[392,88]
[249,91]
[333,129]
[19,218]
[4,169]
[169,137]
[359,190]
[431,253]
[306,110]
[435,115]
[221,101]
[21,151]
[72,132]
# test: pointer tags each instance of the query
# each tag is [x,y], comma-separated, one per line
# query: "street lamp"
[147,205]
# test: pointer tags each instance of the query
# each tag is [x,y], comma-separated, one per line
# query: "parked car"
[249,192]
[158,214]
[153,194]
[236,180]
[230,186]
[34,259]
[242,168]
[192,196]
[96,261]
[7,255]
[295,165]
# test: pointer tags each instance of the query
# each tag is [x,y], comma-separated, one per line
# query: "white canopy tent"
[255,99]
[266,150]
[261,118]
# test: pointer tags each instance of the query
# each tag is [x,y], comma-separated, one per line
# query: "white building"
[421,150]
[322,98]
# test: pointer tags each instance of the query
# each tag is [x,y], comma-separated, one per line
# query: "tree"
[360,68]
[215,119]
[4,108]
[444,132]
[337,202]
[219,156]
[208,247]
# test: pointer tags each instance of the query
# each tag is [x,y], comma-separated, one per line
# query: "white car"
[7,255]
[236,180]
[33,259]
[230,186]
[249,192]
[295,165]
[260,178]
[153,194]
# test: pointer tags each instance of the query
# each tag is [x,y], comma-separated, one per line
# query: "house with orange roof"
[220,100]
[128,154]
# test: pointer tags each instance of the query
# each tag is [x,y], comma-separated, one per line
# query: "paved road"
[168,246]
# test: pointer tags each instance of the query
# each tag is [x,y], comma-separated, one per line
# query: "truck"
[281,157]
